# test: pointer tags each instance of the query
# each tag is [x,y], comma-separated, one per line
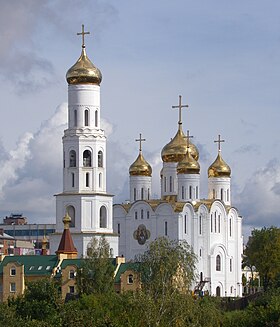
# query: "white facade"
[84,194]
[211,226]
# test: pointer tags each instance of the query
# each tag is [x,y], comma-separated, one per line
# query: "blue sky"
[223,57]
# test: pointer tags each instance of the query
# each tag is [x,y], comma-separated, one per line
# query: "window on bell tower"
[86,117]
[103,217]
[100,158]
[75,118]
[87,158]
[96,118]
[72,158]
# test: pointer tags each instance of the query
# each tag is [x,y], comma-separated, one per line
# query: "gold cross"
[180,106]
[83,33]
[140,140]
[188,138]
[219,141]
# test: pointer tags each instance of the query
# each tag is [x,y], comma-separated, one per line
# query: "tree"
[96,274]
[263,252]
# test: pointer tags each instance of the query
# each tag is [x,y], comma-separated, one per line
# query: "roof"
[33,264]
[5,236]
[66,244]
[124,267]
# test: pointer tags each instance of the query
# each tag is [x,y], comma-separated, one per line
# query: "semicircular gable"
[164,208]
[188,208]
[202,209]
[233,212]
[218,205]
[219,248]
[119,210]
[140,204]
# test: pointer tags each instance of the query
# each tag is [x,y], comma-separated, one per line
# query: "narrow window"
[72,289]
[87,158]
[63,159]
[148,214]
[142,214]
[135,215]
[87,179]
[222,194]
[164,184]
[71,212]
[183,193]
[219,223]
[201,276]
[119,229]
[12,287]
[75,118]
[227,194]
[185,224]
[100,158]
[134,194]
[142,193]
[130,279]
[200,225]
[13,271]
[73,179]
[165,228]
[148,194]
[215,221]
[214,194]
[218,291]
[230,227]
[196,192]
[211,223]
[103,217]
[100,180]
[190,192]
[86,117]
[230,265]
[71,274]
[72,158]
[96,118]
[170,183]
[218,263]
[200,252]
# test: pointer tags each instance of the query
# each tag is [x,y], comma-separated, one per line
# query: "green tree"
[263,252]
[96,274]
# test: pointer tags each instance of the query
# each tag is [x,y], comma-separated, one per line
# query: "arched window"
[142,214]
[222,194]
[183,192]
[148,194]
[142,193]
[86,117]
[100,180]
[170,183]
[218,263]
[148,214]
[87,179]
[185,224]
[230,227]
[75,118]
[227,194]
[71,212]
[230,265]
[201,276]
[103,217]
[87,158]
[190,192]
[72,158]
[135,214]
[196,192]
[219,223]
[211,223]
[134,194]
[200,225]
[218,291]
[130,279]
[215,222]
[63,159]
[100,158]
[96,118]
[214,195]
[164,184]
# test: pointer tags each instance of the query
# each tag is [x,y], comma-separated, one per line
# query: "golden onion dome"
[84,71]
[188,165]
[140,167]
[219,168]
[176,149]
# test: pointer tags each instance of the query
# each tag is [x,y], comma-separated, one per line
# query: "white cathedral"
[211,226]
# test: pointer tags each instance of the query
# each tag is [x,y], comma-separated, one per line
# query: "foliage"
[96,274]
[263,252]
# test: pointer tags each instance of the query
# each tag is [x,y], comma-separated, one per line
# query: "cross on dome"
[219,141]
[83,33]
[180,106]
[140,140]
[188,136]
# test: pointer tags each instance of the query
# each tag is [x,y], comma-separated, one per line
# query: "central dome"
[176,149]
[188,165]
[84,71]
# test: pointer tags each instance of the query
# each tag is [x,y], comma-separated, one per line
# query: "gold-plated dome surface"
[84,71]
[176,149]
[188,165]
[140,167]
[219,168]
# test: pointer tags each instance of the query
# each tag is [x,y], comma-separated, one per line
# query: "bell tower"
[84,197]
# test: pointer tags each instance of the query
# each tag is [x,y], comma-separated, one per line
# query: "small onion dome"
[140,167]
[176,149]
[84,71]
[188,165]
[219,168]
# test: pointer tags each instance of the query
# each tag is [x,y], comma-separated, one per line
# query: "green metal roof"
[33,264]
